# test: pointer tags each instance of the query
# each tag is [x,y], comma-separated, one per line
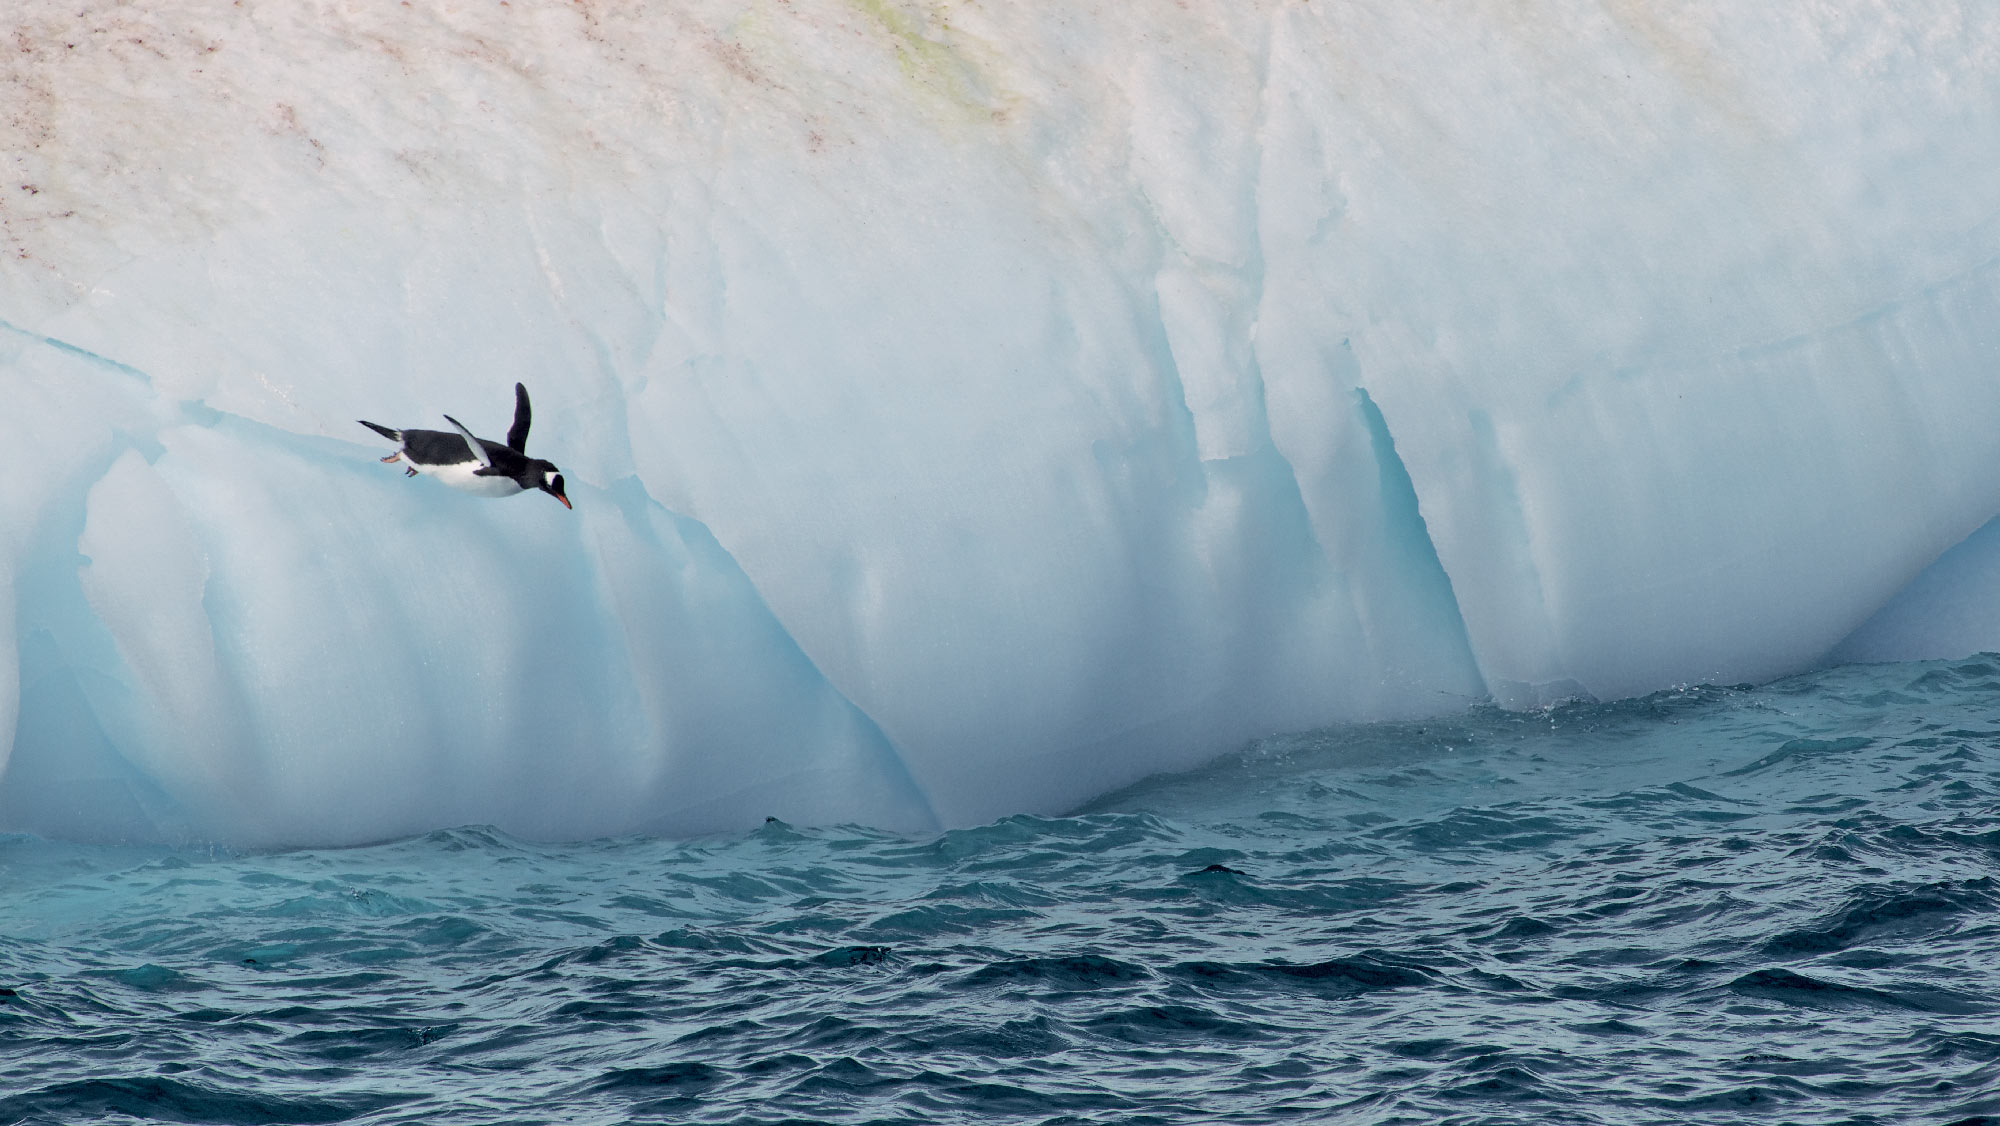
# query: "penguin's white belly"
[461,475]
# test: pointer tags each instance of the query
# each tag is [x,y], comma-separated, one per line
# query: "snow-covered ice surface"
[969,408]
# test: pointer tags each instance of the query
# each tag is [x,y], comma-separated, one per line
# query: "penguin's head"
[548,479]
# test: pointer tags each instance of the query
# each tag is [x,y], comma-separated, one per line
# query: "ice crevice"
[76,350]
[1404,518]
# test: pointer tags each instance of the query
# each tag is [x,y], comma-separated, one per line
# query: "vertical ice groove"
[1197,164]
[896,764]
[1257,280]
[1402,512]
[147,578]
[1517,642]
[10,675]
[71,414]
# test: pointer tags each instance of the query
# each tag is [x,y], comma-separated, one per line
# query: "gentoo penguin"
[484,468]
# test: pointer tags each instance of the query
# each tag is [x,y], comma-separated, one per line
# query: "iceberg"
[969,407]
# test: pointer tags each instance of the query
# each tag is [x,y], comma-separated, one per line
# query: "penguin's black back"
[443,447]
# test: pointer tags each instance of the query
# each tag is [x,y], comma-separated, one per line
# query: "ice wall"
[969,407]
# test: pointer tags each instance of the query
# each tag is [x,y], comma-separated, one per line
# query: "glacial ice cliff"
[969,406]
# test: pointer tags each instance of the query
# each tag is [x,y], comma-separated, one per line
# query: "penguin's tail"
[392,435]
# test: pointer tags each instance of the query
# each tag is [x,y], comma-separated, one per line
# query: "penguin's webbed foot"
[409,473]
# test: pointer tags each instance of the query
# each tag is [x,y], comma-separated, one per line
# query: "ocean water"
[1762,905]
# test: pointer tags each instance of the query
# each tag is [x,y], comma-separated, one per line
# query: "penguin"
[477,466]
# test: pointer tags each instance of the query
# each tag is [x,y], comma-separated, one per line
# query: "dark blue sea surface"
[1717,905]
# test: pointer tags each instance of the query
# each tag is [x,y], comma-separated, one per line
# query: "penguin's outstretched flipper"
[517,435]
[478,451]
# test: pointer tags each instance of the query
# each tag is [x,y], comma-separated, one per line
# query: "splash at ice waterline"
[969,409]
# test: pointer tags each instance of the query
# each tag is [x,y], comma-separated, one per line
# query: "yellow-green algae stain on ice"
[931,64]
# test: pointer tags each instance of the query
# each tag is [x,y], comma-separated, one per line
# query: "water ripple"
[1716,905]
